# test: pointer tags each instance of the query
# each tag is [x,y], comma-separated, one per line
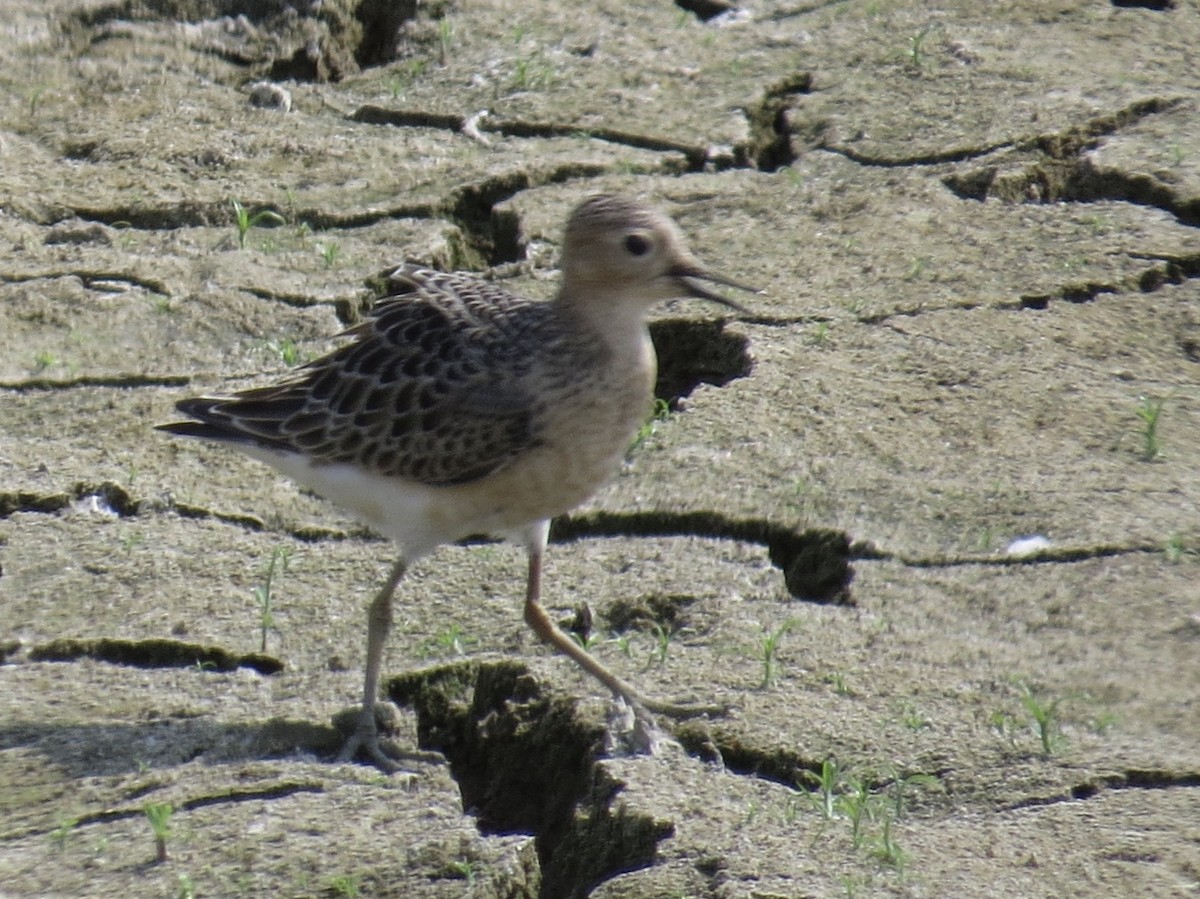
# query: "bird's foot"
[366,741]
[679,710]
[633,730]
[633,727]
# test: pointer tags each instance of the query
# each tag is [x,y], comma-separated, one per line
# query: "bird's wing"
[430,389]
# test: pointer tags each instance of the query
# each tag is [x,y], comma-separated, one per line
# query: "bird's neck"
[618,320]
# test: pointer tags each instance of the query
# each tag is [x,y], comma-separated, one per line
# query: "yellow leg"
[549,632]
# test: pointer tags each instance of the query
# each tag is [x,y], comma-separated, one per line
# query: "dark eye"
[637,245]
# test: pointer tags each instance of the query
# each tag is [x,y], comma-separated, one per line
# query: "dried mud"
[976,224]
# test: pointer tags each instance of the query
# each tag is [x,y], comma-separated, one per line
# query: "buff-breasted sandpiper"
[458,409]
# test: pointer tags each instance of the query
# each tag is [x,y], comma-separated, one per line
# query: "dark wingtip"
[202,425]
[186,428]
[197,407]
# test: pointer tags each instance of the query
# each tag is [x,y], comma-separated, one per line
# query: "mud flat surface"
[927,520]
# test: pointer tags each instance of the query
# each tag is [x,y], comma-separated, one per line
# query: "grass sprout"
[915,54]
[659,412]
[1039,716]
[159,815]
[1177,549]
[1149,410]
[60,834]
[662,646]
[870,806]
[345,885]
[768,645]
[452,641]
[244,220]
[264,595]
[1045,721]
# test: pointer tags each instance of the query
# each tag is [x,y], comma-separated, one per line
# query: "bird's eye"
[637,245]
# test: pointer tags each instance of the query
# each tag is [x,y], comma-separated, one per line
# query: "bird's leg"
[549,632]
[379,622]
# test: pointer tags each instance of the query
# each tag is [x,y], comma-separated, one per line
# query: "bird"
[457,408]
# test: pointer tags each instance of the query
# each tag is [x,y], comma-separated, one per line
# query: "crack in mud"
[1063,170]
[1081,180]
[116,382]
[526,762]
[695,155]
[108,498]
[1131,779]
[280,790]
[815,563]
[1175,269]
[154,653]
[220,214]
[1072,293]
[95,280]
[323,42]
[1057,145]
[1051,555]
[934,157]
[706,9]
[779,764]
[772,125]
[347,309]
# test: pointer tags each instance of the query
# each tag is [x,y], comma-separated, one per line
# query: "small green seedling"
[530,73]
[187,888]
[916,268]
[913,719]
[264,595]
[768,645]
[406,75]
[1045,720]
[289,354]
[1040,718]
[1149,410]
[625,645]
[870,811]
[1005,725]
[60,834]
[159,816]
[899,783]
[1177,549]
[464,870]
[588,642]
[445,40]
[245,220]
[840,685]
[1103,723]
[453,641]
[329,253]
[659,412]
[915,52]
[662,646]
[827,782]
[345,885]
[859,806]
[886,850]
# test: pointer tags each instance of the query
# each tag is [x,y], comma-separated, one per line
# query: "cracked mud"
[928,520]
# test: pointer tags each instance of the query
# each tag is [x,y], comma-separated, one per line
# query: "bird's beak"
[687,274]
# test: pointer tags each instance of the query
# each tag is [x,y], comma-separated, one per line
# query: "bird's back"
[431,388]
